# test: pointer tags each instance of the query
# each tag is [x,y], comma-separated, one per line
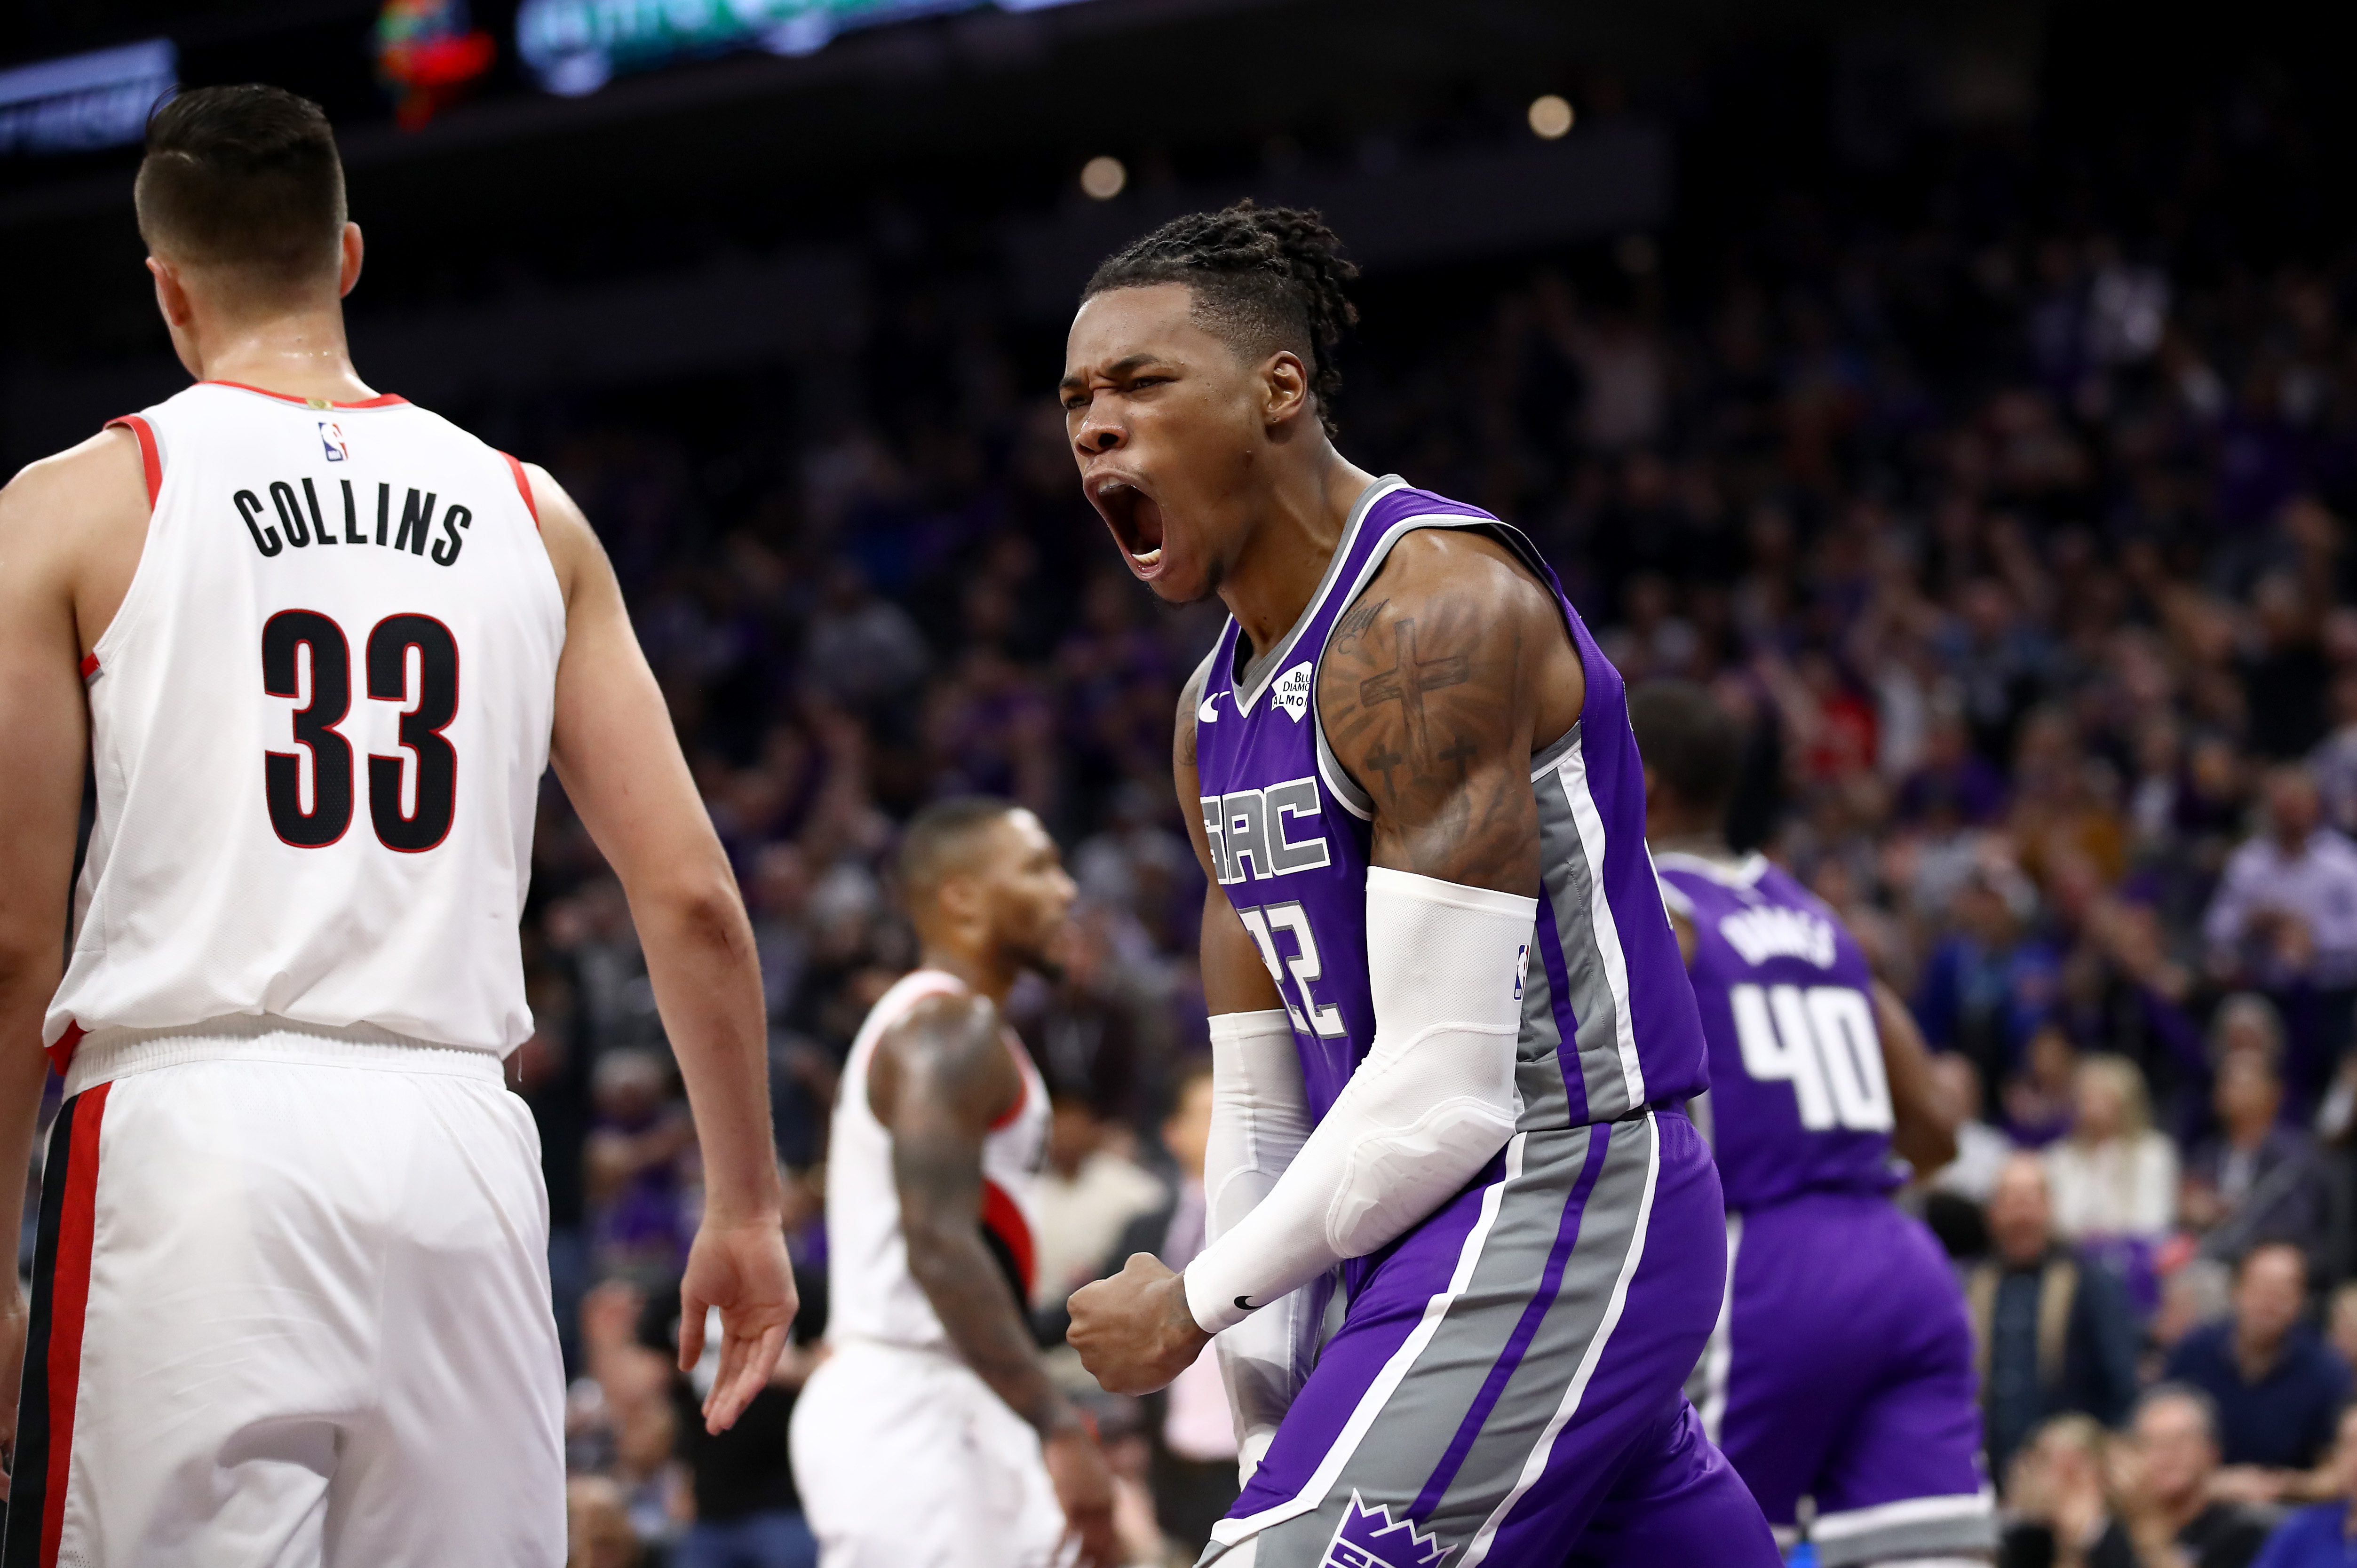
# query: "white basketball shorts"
[290,1310]
[906,1459]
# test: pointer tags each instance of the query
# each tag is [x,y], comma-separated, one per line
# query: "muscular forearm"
[707,984]
[26,985]
[957,1273]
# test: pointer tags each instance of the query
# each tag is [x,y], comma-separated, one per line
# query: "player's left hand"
[1134,1331]
[744,1271]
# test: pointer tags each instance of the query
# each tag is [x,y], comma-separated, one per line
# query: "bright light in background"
[1550,116]
[1102,178]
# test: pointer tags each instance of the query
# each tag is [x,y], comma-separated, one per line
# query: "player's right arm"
[939,1079]
[71,531]
[621,763]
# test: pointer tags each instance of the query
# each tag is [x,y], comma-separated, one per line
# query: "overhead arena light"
[576,46]
[82,101]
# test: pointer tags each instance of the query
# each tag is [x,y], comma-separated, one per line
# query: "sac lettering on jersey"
[1253,831]
[294,516]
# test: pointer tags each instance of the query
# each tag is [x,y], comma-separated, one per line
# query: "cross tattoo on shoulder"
[1406,682]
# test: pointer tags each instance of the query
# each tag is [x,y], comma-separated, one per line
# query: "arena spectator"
[2285,918]
[2055,1334]
[2059,1512]
[2114,1177]
[2278,1386]
[2340,1321]
[1088,1195]
[1981,1149]
[2325,1535]
[2256,1179]
[640,1149]
[2041,1100]
[2162,1481]
[598,1526]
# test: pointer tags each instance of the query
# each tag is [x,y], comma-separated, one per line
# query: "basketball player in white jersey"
[316,647]
[932,1437]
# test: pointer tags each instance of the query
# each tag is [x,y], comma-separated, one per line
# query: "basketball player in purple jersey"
[1841,1365]
[1451,1034]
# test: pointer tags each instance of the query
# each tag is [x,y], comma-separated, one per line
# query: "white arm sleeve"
[1431,1104]
[1259,1119]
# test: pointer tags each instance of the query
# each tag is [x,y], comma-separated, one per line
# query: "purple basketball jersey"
[1289,832]
[1799,1100]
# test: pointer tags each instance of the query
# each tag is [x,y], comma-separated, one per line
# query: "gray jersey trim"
[1571,860]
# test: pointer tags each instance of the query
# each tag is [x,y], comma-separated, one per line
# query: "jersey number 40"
[427,821]
[1822,1041]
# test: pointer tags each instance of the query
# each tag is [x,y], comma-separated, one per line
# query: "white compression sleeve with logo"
[1431,1104]
[1259,1119]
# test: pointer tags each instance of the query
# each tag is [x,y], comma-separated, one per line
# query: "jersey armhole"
[523,487]
[151,456]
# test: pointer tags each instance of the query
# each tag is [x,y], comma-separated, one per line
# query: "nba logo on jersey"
[331,436]
[1291,691]
[1368,1539]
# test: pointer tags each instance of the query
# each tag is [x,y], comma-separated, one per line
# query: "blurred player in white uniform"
[932,1437]
[318,647]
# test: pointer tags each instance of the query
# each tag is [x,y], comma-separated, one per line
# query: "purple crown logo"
[1368,1539]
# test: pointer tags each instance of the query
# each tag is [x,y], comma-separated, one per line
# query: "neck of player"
[299,354]
[986,970]
[1305,507]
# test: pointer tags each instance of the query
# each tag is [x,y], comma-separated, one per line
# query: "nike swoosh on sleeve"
[1205,713]
[1243,1304]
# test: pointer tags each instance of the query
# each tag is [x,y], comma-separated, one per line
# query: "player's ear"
[349,267]
[171,294]
[1285,386]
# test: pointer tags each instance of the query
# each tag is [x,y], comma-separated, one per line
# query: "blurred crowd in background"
[2006,499]
[2017,532]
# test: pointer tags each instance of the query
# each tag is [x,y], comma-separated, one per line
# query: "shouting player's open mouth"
[1136,519]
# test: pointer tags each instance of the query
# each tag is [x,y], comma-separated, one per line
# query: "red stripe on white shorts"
[69,1302]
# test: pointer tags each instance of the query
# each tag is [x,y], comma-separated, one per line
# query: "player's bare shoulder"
[73,524]
[565,531]
[1453,664]
[953,1044]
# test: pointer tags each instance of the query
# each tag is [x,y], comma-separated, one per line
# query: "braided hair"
[1263,278]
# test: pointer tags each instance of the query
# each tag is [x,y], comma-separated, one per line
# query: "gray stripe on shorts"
[1918,1527]
[1399,1453]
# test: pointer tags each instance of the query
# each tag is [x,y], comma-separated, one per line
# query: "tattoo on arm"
[1358,619]
[1429,707]
[951,1076]
[1182,739]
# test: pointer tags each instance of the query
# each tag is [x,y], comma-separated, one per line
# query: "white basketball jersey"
[319,725]
[870,1292]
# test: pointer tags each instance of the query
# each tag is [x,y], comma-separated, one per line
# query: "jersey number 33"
[412,797]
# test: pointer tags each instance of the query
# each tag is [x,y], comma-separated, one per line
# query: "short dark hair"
[1263,278]
[1693,745]
[940,837]
[243,177]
